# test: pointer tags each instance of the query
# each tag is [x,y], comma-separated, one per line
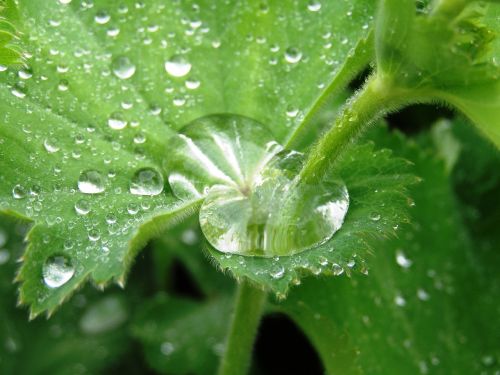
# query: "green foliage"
[448,53]
[408,315]
[9,49]
[223,134]
[68,115]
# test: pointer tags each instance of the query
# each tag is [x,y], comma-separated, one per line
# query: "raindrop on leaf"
[57,271]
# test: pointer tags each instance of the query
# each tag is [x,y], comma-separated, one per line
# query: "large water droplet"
[254,203]
[57,271]
[146,181]
[91,182]
[123,68]
[177,66]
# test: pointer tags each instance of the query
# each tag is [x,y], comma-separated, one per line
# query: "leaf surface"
[106,87]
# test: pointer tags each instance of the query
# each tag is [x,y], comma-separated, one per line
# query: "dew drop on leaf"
[177,66]
[50,145]
[57,271]
[146,181]
[337,269]
[277,272]
[82,207]
[293,55]
[314,6]
[91,182]
[167,348]
[19,192]
[402,260]
[254,202]
[123,68]
[116,121]
[102,18]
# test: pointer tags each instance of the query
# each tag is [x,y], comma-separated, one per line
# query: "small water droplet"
[277,272]
[132,208]
[374,216]
[123,68]
[146,181]
[102,18]
[116,121]
[293,55]
[177,66]
[167,348]
[422,295]
[91,182]
[82,207]
[111,218]
[192,84]
[57,271]
[19,192]
[94,235]
[399,300]
[314,6]
[402,260]
[50,145]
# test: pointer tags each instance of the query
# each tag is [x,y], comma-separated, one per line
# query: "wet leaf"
[180,336]
[86,126]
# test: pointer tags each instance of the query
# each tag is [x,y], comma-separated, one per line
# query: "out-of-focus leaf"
[181,336]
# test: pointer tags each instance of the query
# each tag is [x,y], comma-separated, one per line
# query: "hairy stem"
[378,97]
[248,308]
[362,56]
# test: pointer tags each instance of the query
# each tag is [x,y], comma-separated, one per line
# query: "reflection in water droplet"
[123,68]
[146,181]
[254,204]
[91,182]
[57,271]
[293,55]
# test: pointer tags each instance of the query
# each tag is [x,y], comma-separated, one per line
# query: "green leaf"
[448,52]
[9,53]
[87,334]
[104,90]
[428,305]
[180,336]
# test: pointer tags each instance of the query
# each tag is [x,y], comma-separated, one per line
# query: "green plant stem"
[378,97]
[362,56]
[248,308]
